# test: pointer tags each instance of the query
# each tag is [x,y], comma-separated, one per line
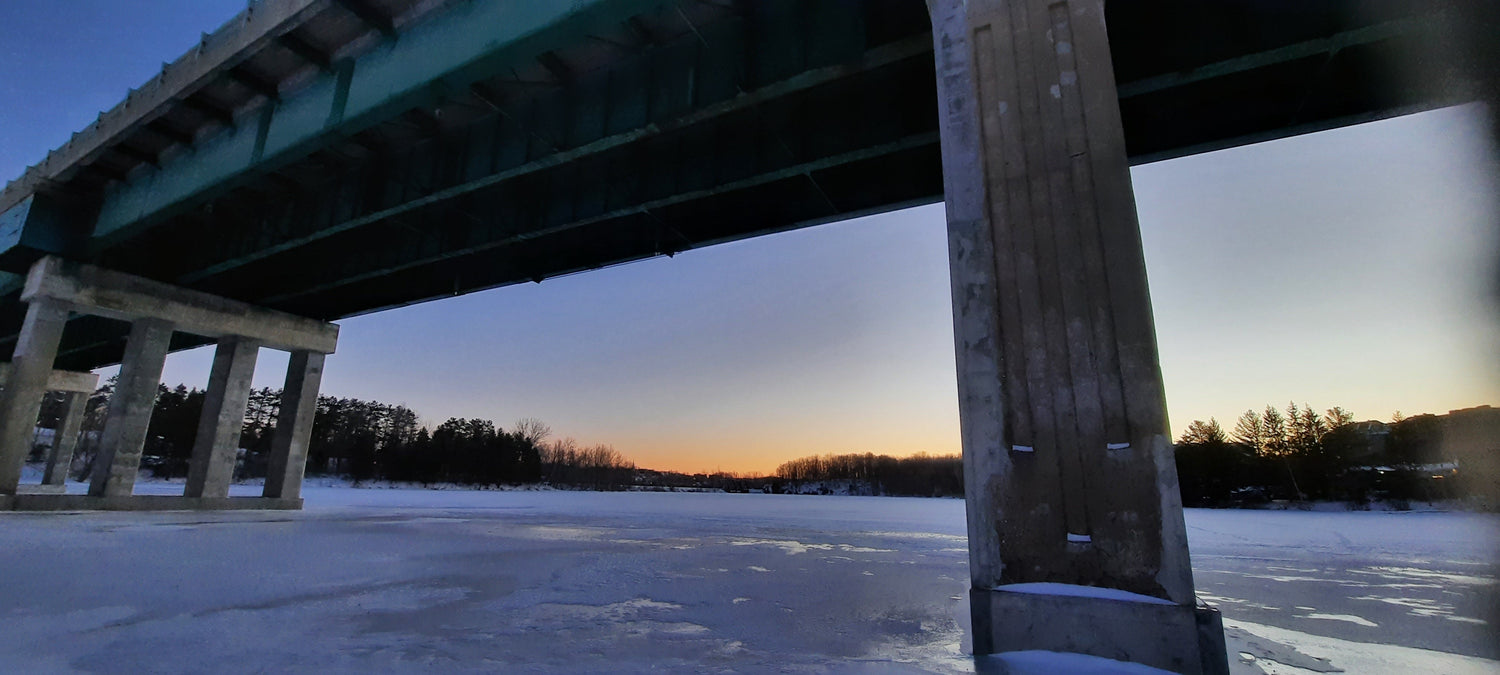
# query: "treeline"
[363,440]
[1295,453]
[599,467]
[920,475]
[1300,454]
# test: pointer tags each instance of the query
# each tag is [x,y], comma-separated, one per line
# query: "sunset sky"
[1352,267]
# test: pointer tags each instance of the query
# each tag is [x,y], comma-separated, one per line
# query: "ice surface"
[1421,580]
[1363,657]
[404,580]
[414,580]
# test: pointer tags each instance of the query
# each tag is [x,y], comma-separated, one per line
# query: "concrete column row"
[154,319]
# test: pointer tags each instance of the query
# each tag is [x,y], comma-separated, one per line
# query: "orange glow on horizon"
[761,456]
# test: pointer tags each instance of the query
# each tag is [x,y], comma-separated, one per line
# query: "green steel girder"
[415,247]
[804,128]
[1318,47]
[695,80]
[451,169]
[878,183]
[663,88]
[465,43]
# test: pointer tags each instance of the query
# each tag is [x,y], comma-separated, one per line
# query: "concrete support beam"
[216,446]
[61,380]
[299,404]
[71,381]
[21,399]
[130,409]
[60,460]
[87,289]
[1068,465]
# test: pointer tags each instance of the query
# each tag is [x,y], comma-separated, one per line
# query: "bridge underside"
[634,136]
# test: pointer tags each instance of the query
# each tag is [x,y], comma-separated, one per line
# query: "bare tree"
[1336,417]
[532,430]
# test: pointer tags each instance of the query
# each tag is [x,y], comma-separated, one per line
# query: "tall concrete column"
[61,458]
[1068,464]
[215,449]
[299,404]
[21,398]
[130,409]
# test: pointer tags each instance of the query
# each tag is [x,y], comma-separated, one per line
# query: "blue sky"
[1345,268]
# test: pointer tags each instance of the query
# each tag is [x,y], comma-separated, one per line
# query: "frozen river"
[416,580]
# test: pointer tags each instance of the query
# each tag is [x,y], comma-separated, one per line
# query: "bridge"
[337,158]
[318,159]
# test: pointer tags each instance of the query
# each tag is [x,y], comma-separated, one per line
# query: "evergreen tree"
[1249,432]
[1210,468]
[1204,432]
[1305,430]
[1273,432]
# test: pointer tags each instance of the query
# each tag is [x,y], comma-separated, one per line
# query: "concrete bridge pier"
[55,289]
[1076,536]
[216,447]
[75,388]
[130,407]
[25,384]
[65,438]
[299,403]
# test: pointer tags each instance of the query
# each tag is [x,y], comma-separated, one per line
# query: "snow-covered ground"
[537,581]
[1371,591]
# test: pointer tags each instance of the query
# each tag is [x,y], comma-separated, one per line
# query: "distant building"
[1471,437]
[1359,440]
[1472,431]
